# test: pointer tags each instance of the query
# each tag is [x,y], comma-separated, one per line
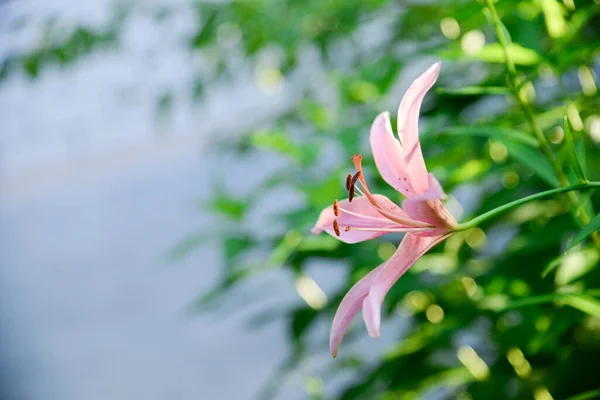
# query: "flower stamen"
[336,210]
[355,177]
[348,181]
[357,160]
[400,229]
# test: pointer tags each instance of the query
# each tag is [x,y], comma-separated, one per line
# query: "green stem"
[503,208]
[530,117]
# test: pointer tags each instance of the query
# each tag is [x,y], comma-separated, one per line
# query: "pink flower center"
[388,214]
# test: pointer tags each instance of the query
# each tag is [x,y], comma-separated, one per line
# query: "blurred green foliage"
[527,282]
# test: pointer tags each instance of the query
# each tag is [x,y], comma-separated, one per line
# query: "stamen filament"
[363,216]
[357,160]
[348,228]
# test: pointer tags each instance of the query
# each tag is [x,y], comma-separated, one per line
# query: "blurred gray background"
[95,190]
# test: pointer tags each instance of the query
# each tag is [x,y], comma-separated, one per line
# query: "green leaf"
[552,266]
[592,394]
[587,304]
[473,90]
[576,264]
[280,142]
[587,230]
[301,320]
[188,244]
[500,303]
[533,160]
[573,152]
[224,204]
[286,246]
[520,55]
[501,134]
[235,245]
[318,243]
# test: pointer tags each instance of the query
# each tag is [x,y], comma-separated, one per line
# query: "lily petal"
[388,155]
[348,308]
[357,214]
[435,188]
[408,127]
[428,207]
[410,250]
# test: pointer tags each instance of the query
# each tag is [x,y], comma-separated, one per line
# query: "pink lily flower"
[366,216]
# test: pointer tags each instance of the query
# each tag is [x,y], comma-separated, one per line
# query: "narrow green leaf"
[572,299]
[284,249]
[520,55]
[231,208]
[587,304]
[573,152]
[587,230]
[500,134]
[576,264]
[533,300]
[592,394]
[533,160]
[552,266]
[318,243]
[490,20]
[472,90]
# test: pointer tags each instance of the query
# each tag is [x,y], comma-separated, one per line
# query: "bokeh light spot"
[498,152]
[310,292]
[269,80]
[517,359]
[587,81]
[541,393]
[475,238]
[472,42]
[510,179]
[574,117]
[385,250]
[434,313]
[450,28]
[474,364]
[592,126]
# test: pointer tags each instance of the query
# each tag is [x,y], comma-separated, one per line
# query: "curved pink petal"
[408,127]
[410,250]
[435,188]
[348,308]
[388,155]
[367,217]
[428,207]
